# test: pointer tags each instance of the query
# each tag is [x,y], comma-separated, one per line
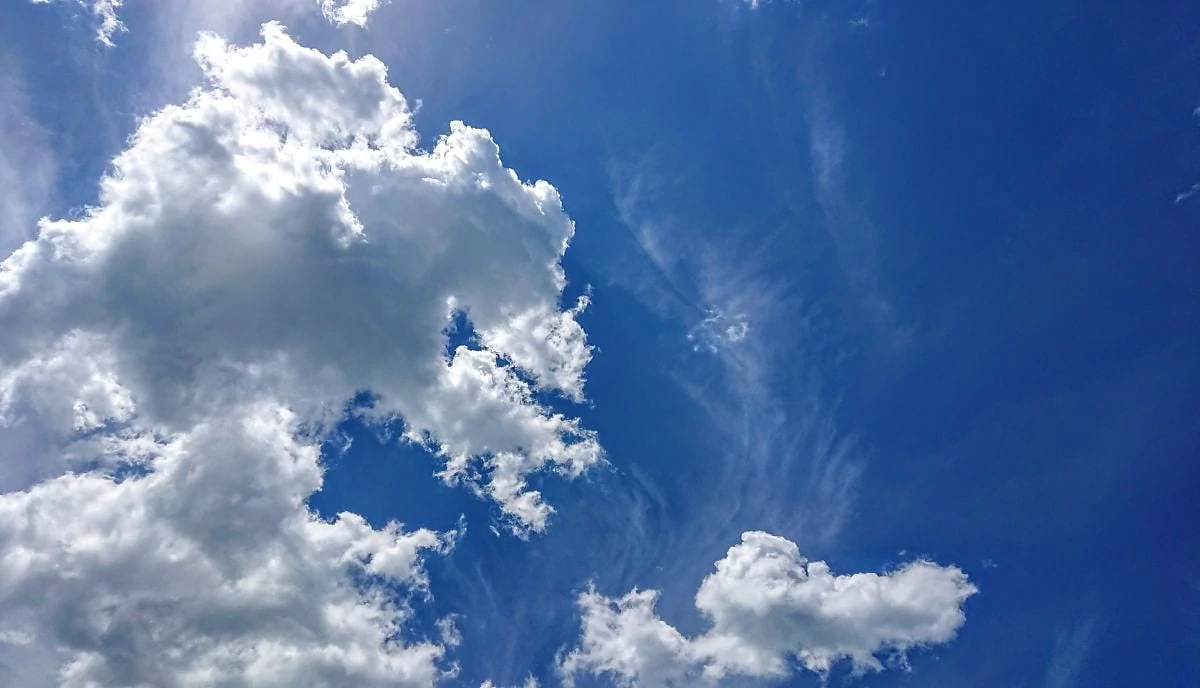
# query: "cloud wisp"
[108,23]
[28,168]
[1070,654]
[765,395]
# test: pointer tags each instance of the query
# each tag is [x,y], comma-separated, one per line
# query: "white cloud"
[357,12]
[768,605]
[204,567]
[173,357]
[279,236]
[1187,193]
[718,330]
[105,14]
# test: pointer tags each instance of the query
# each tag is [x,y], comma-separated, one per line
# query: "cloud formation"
[280,236]
[198,564]
[766,606]
[175,355]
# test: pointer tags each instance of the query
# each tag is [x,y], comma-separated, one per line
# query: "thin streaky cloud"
[1188,193]
[1071,650]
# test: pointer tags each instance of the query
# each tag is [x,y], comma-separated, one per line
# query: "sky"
[683,343]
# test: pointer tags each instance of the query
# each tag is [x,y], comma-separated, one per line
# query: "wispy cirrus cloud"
[28,169]
[1070,654]
[788,69]
[104,12]
[1187,193]
[766,396]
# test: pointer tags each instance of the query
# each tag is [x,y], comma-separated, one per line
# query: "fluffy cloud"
[198,564]
[174,356]
[279,236]
[767,605]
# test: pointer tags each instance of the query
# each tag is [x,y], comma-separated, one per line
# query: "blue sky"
[909,287]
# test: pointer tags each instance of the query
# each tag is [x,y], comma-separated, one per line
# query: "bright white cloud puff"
[768,605]
[172,357]
[356,12]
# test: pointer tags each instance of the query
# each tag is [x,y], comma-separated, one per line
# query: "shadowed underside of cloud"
[259,255]
[767,605]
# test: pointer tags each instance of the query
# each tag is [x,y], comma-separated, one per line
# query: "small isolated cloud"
[105,14]
[1070,654]
[767,605]
[718,330]
[356,12]
[1188,193]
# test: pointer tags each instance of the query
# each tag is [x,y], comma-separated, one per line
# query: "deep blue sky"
[972,296]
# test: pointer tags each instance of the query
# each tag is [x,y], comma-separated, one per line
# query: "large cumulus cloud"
[173,356]
[280,236]
[767,605]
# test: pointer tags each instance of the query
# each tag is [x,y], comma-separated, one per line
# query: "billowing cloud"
[767,606]
[195,562]
[174,356]
[280,236]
